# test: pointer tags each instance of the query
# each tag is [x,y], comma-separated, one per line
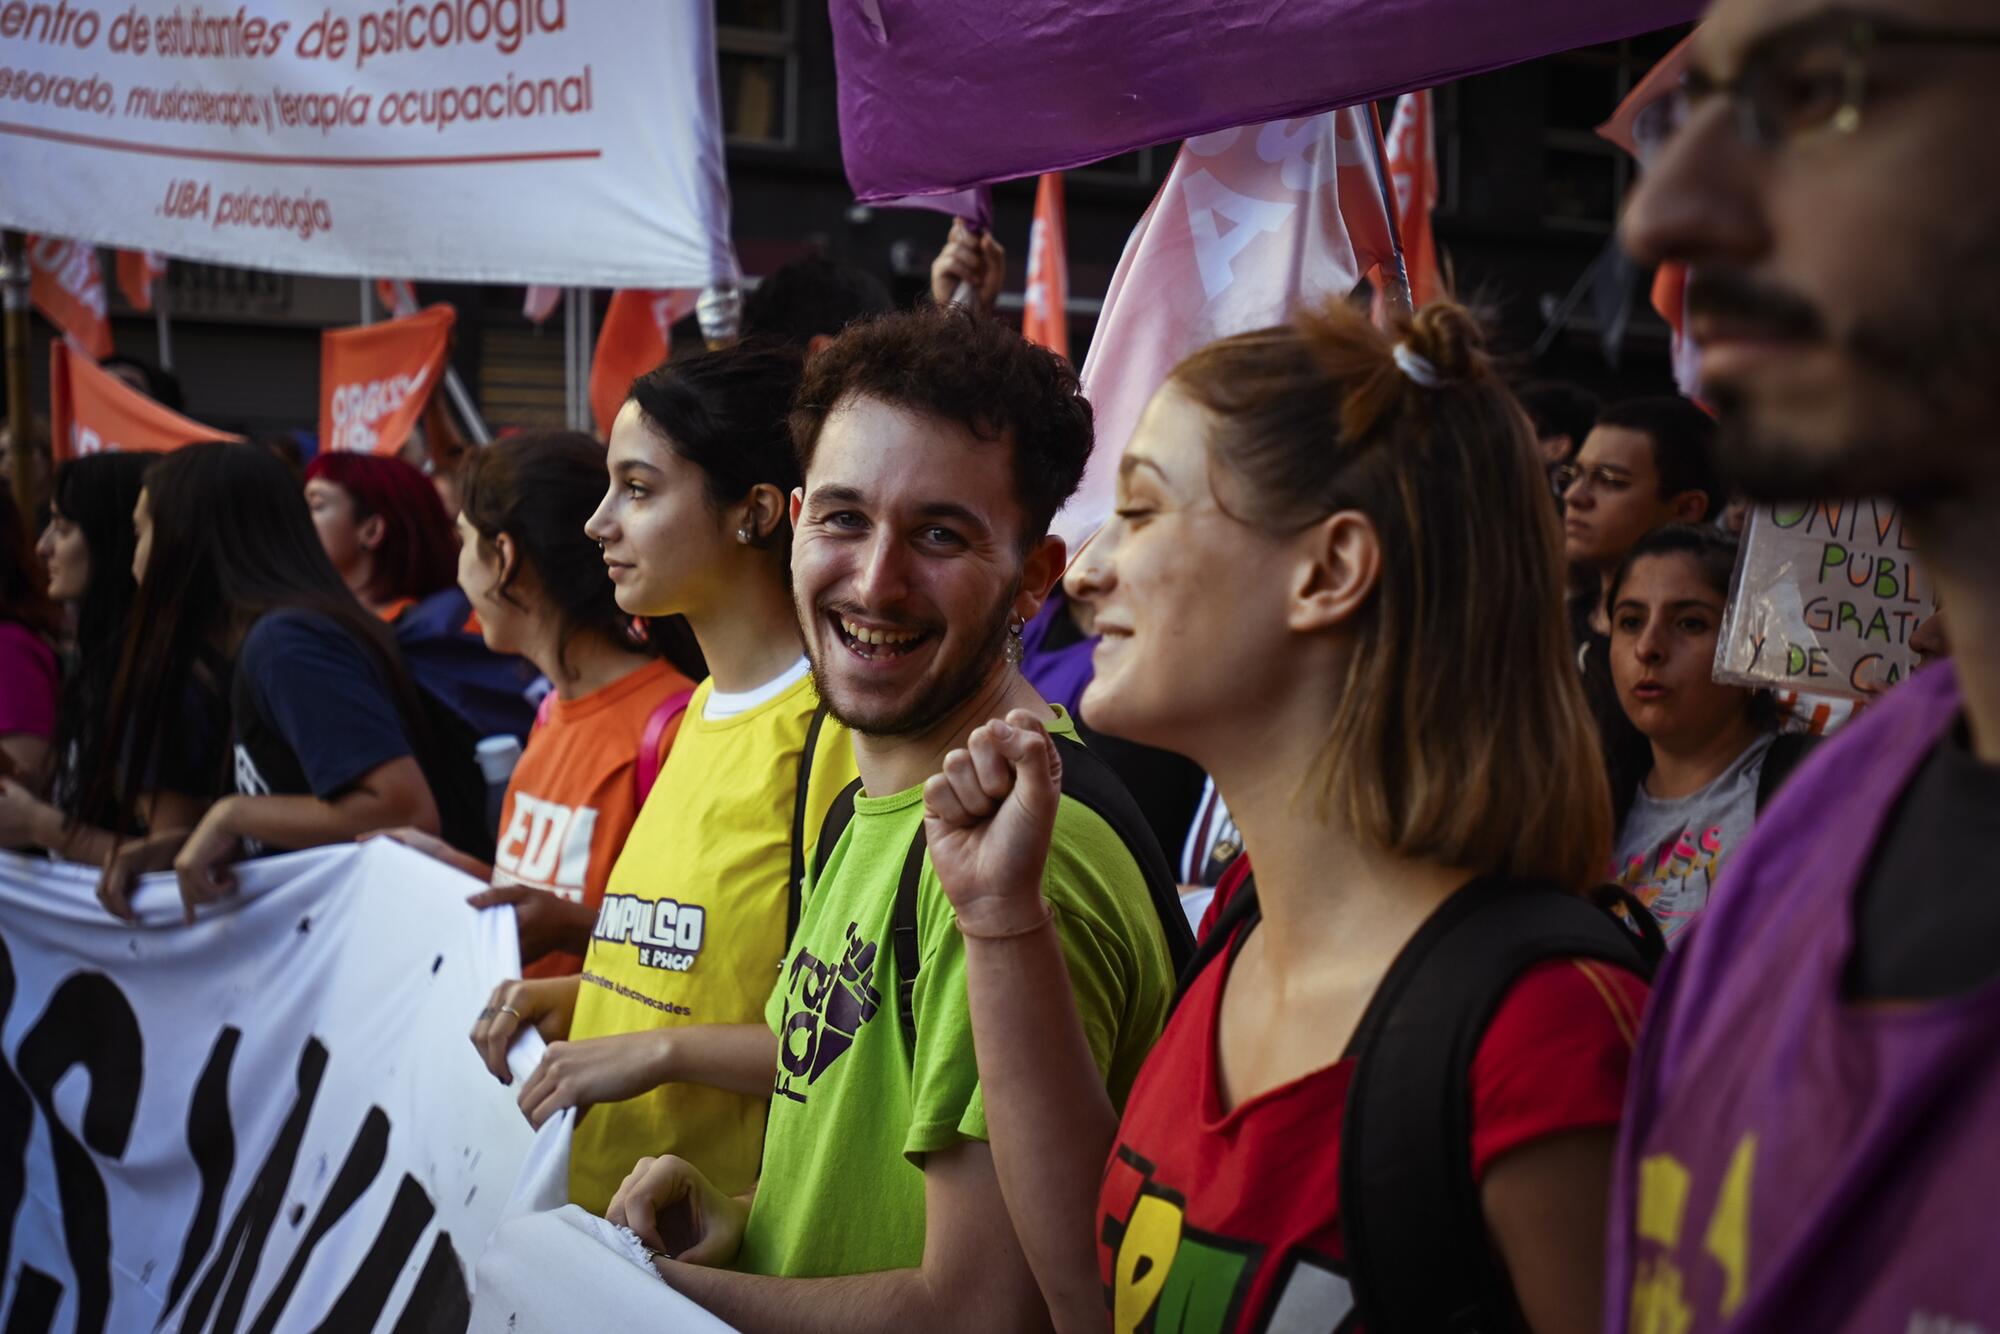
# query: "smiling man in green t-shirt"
[936,448]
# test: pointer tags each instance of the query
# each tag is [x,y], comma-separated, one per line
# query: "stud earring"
[743,534]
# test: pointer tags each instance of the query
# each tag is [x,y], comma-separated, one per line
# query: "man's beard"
[954,683]
[1932,375]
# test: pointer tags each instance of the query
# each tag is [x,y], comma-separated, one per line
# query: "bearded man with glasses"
[1811,1138]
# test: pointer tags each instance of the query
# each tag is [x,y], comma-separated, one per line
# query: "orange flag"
[138,270]
[397,296]
[93,412]
[1046,319]
[1413,173]
[637,335]
[66,283]
[375,379]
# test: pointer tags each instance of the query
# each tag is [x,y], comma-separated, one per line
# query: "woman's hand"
[606,1069]
[545,1004]
[547,922]
[678,1213]
[23,816]
[989,814]
[132,859]
[203,862]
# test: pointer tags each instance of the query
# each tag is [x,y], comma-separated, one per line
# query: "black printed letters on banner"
[89,1024]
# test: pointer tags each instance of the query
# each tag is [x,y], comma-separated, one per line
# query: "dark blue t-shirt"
[311,709]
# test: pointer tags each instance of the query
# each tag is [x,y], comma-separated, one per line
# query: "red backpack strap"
[647,771]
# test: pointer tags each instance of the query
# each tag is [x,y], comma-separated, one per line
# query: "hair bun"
[1449,337]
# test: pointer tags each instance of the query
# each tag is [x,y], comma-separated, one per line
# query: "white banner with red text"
[269,1120]
[573,142]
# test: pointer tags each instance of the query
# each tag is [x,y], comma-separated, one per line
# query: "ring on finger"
[508,1009]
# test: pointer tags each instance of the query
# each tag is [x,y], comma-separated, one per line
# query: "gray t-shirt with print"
[1670,852]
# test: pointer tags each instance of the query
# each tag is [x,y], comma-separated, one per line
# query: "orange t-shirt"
[573,797]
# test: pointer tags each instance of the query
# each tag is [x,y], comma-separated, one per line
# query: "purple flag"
[974,206]
[940,95]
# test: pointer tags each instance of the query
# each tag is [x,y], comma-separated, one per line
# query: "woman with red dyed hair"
[384,528]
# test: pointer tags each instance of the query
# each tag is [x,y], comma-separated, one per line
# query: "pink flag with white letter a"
[1250,225]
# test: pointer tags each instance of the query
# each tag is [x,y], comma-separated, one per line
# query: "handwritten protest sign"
[1827,596]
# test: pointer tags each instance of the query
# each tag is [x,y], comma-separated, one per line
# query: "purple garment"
[1791,1162]
[942,95]
[1058,674]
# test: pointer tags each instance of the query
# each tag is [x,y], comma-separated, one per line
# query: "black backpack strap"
[1413,1230]
[1086,779]
[838,816]
[797,886]
[1241,908]
[1787,751]
[903,937]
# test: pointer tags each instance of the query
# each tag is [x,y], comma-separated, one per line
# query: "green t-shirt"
[852,1115]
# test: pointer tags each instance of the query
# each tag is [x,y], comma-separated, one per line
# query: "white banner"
[270,1120]
[571,142]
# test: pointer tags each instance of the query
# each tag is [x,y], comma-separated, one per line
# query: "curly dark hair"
[949,363]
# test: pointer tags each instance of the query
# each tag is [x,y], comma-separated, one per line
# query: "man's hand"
[678,1213]
[203,862]
[546,921]
[989,815]
[606,1069]
[134,858]
[544,1004]
[969,257]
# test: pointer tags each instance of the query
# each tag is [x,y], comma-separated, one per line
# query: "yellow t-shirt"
[692,929]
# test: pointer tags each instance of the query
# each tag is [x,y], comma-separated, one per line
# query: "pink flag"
[1413,172]
[1046,318]
[539,302]
[1251,224]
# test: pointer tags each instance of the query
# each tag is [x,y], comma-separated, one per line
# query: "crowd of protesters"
[1510,970]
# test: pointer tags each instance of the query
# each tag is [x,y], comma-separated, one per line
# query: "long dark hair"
[1714,556]
[231,540]
[97,495]
[540,488]
[24,592]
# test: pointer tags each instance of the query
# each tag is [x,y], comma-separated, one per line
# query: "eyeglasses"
[1601,478]
[1799,81]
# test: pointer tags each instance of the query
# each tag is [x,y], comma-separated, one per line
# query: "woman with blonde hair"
[1356,527]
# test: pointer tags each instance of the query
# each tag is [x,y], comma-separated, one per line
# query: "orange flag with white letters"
[1046,319]
[637,335]
[66,283]
[138,270]
[374,379]
[94,412]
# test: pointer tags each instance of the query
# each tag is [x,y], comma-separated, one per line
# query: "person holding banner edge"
[660,1035]
[937,445]
[534,581]
[329,733]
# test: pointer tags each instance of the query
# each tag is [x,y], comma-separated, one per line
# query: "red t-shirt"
[1213,1222]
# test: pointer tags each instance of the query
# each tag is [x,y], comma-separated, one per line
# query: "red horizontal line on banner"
[279,160]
